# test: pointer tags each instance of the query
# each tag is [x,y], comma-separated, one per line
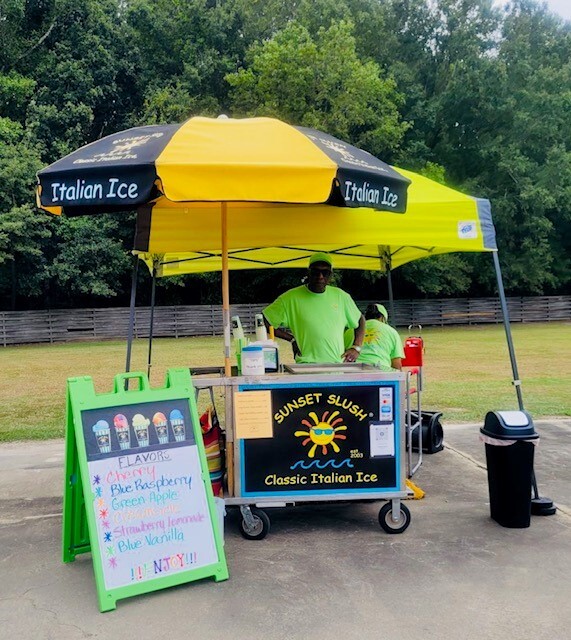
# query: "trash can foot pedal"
[542,507]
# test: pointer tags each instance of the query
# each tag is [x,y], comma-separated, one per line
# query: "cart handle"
[121,382]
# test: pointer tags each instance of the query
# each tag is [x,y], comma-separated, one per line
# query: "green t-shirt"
[317,321]
[382,343]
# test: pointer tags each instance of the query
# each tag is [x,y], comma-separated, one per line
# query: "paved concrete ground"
[323,572]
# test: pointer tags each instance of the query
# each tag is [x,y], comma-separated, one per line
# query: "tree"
[23,232]
[90,260]
[464,91]
[321,83]
[489,106]
[186,48]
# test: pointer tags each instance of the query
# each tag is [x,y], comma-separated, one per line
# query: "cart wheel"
[261,526]
[386,519]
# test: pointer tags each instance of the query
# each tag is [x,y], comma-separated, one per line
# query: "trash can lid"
[509,425]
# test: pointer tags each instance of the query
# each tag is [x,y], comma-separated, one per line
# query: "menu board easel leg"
[75,531]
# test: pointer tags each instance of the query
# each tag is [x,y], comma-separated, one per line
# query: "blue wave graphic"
[322,465]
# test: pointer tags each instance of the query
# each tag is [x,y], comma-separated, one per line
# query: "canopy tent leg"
[131,329]
[152,321]
[391,296]
[539,506]
[516,381]
[385,256]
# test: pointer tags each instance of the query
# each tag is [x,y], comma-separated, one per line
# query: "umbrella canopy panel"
[180,239]
[219,160]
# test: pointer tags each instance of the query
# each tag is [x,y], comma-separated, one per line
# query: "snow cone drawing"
[122,430]
[141,426]
[103,435]
[177,423]
[161,427]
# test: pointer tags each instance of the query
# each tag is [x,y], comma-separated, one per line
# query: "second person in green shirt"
[382,345]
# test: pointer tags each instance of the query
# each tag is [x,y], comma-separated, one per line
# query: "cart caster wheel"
[261,526]
[386,519]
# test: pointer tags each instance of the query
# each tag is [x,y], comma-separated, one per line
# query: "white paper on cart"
[382,439]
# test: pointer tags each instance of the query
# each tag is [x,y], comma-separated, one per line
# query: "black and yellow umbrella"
[219,160]
[261,161]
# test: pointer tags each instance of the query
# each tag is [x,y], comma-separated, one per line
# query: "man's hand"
[350,355]
[295,349]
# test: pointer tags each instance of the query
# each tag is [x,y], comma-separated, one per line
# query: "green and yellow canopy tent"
[221,194]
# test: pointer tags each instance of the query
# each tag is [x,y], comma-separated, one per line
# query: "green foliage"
[23,233]
[439,275]
[320,82]
[24,270]
[89,260]
[470,94]
[15,93]
[175,104]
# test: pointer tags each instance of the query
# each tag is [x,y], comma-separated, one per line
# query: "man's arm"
[352,354]
[360,332]
[284,334]
[396,363]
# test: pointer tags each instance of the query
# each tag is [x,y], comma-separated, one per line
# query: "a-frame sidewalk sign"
[137,488]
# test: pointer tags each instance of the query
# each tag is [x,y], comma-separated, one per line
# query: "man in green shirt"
[313,317]
[382,345]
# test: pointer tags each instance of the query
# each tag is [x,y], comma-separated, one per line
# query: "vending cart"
[314,433]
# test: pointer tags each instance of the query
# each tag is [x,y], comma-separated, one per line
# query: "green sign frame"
[88,493]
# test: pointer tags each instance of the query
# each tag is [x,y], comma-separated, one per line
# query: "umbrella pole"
[152,321]
[225,290]
[132,315]
[227,366]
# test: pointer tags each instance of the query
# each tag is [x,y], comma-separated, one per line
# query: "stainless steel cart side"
[330,466]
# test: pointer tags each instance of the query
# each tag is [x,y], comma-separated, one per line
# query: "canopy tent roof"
[180,238]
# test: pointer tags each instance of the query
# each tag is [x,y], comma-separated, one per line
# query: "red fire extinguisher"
[413,349]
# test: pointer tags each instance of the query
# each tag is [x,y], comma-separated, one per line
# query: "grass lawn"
[467,372]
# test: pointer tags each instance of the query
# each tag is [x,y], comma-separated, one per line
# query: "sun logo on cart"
[322,433]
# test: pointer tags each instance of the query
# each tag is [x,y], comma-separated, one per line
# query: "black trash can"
[510,466]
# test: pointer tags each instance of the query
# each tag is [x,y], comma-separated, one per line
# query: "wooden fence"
[67,325]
